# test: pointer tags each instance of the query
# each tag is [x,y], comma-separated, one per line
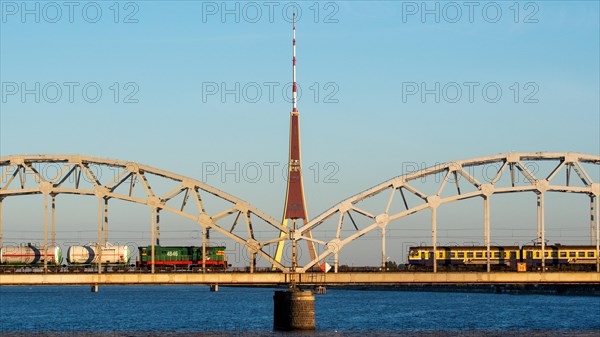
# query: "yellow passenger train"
[504,257]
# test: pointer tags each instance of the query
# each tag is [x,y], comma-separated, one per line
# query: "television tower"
[295,204]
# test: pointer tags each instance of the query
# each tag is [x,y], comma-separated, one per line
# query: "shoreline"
[522,289]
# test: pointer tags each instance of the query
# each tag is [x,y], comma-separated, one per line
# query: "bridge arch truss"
[577,180]
[16,173]
[13,170]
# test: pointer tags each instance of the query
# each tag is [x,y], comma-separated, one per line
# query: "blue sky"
[364,55]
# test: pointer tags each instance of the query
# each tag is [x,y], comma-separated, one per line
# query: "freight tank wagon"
[88,254]
[29,255]
[176,257]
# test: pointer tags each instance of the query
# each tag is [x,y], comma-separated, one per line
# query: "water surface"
[172,310]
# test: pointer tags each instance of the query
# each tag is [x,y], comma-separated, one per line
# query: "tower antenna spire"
[294,89]
[295,205]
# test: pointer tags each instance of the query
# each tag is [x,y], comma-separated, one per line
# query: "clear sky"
[188,86]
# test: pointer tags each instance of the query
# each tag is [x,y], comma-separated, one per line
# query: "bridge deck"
[257,279]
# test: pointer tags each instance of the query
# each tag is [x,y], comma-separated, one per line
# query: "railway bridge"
[304,279]
[454,182]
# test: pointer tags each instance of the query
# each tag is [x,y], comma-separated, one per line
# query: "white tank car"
[29,255]
[88,254]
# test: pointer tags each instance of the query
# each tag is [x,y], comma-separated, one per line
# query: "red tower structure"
[295,204]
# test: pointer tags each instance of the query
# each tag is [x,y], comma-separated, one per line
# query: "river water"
[195,311]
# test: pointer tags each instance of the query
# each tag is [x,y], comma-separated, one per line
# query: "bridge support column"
[152,238]
[320,290]
[99,244]
[336,262]
[0,222]
[158,227]
[597,221]
[45,232]
[252,261]
[204,238]
[95,288]
[541,229]
[105,226]
[214,288]
[486,220]
[592,219]
[293,309]
[383,252]
[434,237]
[53,234]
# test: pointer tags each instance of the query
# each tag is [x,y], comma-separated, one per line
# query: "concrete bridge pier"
[320,290]
[95,288]
[214,288]
[293,309]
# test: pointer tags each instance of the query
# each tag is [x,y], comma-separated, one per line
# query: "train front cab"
[423,256]
[416,256]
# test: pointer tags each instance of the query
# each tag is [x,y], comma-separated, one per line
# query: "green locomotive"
[178,257]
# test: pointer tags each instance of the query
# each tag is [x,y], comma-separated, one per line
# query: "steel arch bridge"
[13,170]
[495,166]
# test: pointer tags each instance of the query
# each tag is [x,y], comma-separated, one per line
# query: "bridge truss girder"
[14,169]
[459,170]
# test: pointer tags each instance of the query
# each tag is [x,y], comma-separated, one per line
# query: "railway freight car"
[30,255]
[182,257]
[88,254]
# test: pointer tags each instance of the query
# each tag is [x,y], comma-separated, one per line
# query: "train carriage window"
[563,254]
[590,254]
[461,255]
[495,254]
[547,254]
[581,254]
[470,255]
[572,254]
[479,255]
